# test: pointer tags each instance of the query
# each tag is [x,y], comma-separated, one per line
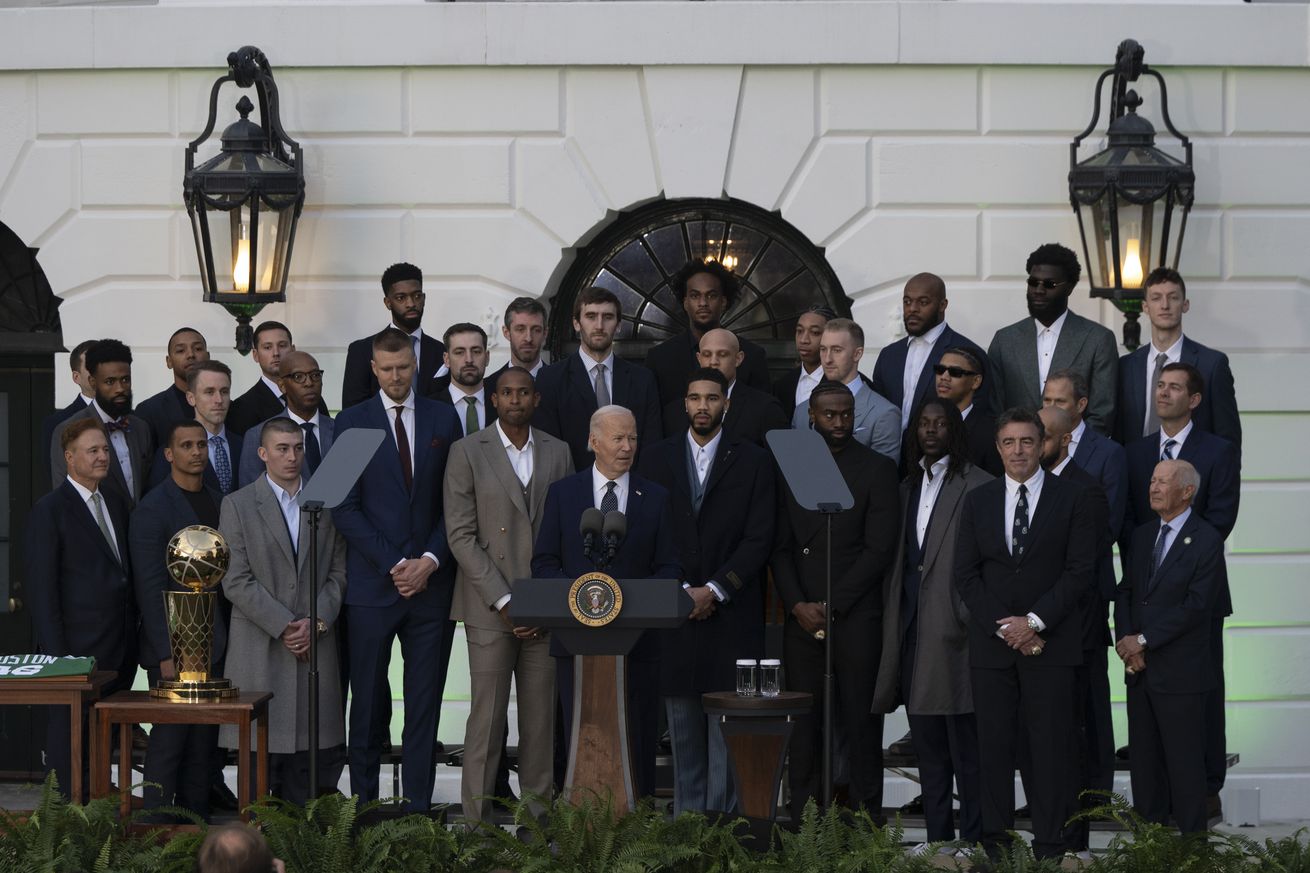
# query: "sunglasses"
[1048,284]
[956,372]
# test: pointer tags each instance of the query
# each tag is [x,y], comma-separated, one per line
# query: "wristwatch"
[1033,625]
[321,627]
[1141,640]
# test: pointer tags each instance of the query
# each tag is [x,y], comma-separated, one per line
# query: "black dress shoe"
[221,797]
[903,746]
[914,807]
[1024,811]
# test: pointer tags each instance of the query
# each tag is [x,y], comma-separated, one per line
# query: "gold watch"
[321,627]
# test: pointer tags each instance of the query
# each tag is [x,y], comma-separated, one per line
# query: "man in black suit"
[904,369]
[959,376]
[750,413]
[1179,391]
[109,363]
[78,573]
[863,547]
[85,394]
[402,295]
[179,757]
[793,387]
[1164,620]
[185,347]
[264,400]
[1024,565]
[525,331]
[706,290]
[463,387]
[1164,303]
[574,388]
[722,495]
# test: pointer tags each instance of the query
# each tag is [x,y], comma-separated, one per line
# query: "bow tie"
[120,424]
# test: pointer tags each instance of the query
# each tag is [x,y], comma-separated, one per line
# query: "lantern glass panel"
[1096,230]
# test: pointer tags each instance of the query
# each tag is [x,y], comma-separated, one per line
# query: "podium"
[598,620]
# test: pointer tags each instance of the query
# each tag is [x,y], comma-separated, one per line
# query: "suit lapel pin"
[636,492]
[1187,541]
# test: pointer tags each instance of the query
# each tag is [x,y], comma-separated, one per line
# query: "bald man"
[751,412]
[301,380]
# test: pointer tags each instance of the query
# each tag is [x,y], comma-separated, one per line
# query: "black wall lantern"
[1131,199]
[245,202]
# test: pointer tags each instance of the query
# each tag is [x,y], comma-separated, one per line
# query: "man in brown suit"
[496,482]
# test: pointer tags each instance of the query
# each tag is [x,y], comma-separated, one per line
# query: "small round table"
[756,731]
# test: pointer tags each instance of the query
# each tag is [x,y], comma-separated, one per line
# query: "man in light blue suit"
[877,419]
[301,380]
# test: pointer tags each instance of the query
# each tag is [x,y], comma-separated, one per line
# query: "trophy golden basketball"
[197,557]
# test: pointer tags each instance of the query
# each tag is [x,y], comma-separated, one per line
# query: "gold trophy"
[197,557]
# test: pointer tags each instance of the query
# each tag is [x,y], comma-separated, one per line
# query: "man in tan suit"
[495,488]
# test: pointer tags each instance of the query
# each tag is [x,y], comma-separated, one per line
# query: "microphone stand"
[828,510]
[315,510]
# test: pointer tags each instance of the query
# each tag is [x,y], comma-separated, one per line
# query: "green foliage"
[841,841]
[1145,847]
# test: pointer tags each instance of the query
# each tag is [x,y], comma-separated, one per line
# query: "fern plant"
[842,841]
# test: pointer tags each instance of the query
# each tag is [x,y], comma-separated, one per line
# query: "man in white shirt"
[463,386]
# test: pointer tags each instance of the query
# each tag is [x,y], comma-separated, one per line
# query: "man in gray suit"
[301,380]
[877,420]
[268,584]
[1053,338]
[495,488]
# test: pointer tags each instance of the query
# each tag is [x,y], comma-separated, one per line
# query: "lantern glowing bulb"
[241,269]
[1132,266]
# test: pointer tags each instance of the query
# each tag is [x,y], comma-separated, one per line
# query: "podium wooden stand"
[600,758]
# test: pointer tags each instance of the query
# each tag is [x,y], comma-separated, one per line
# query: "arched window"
[782,274]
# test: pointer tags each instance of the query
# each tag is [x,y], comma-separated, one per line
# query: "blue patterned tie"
[222,464]
[610,502]
[1157,554]
[1168,453]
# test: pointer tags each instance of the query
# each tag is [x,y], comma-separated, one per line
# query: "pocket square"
[436,443]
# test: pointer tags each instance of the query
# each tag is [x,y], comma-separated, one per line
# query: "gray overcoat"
[268,585]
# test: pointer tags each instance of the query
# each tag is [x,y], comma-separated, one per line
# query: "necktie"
[1167,454]
[1157,554]
[96,501]
[402,443]
[610,502]
[222,463]
[1152,417]
[470,415]
[313,454]
[602,390]
[1019,535]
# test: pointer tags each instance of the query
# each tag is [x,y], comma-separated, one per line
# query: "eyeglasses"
[305,377]
[1048,284]
[956,372]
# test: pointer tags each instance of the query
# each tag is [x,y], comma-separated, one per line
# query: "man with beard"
[1053,338]
[753,412]
[793,387]
[863,546]
[574,388]
[721,492]
[109,363]
[463,387]
[525,331]
[402,295]
[185,347]
[903,371]
[301,380]
[706,290]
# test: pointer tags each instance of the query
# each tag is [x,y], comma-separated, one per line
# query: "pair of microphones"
[601,533]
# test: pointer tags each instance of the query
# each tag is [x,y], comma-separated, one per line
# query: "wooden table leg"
[75,738]
[103,757]
[93,746]
[243,762]
[261,756]
[124,770]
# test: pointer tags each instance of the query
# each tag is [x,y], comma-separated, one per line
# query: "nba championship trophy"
[197,558]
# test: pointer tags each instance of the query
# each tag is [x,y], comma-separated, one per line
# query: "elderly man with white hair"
[646,552]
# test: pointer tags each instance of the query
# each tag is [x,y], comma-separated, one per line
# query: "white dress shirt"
[1047,339]
[459,400]
[806,384]
[703,456]
[316,420]
[965,413]
[286,501]
[1011,504]
[590,364]
[85,494]
[118,441]
[598,481]
[274,387]
[917,350]
[406,416]
[1172,355]
[1076,436]
[519,459]
[1178,438]
[933,478]
[1057,470]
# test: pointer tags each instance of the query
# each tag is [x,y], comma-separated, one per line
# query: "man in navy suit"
[722,498]
[179,758]
[1093,452]
[402,295]
[185,347]
[1024,565]
[574,388]
[1179,391]
[85,394]
[648,552]
[1164,303]
[1164,620]
[209,395]
[301,380]
[400,577]
[79,578]
[903,372]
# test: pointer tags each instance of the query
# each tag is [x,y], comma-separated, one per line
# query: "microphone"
[590,527]
[616,528]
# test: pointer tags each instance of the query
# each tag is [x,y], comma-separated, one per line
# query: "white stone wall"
[484,142]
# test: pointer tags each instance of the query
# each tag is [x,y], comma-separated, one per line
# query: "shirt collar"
[598,481]
[856,384]
[508,444]
[1078,431]
[84,492]
[105,418]
[457,394]
[1033,483]
[299,421]
[938,467]
[222,434]
[589,363]
[1179,520]
[816,377]
[417,334]
[1173,353]
[281,493]
[929,338]
[965,412]
[712,446]
[272,386]
[1180,437]
[388,404]
[1058,469]
[1056,326]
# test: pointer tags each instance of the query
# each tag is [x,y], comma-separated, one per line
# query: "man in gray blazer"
[301,380]
[1053,338]
[495,489]
[877,419]
[268,584]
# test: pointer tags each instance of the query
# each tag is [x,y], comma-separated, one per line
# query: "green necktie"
[470,415]
[97,502]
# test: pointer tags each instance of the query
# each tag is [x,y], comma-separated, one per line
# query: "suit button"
[920,568]
[500,557]
[502,530]
[805,551]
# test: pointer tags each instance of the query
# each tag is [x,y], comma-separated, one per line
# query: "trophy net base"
[194,692]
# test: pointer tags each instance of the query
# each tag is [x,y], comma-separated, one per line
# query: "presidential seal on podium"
[595,599]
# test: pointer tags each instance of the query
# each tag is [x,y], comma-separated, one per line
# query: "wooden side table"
[756,730]
[138,707]
[75,692]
